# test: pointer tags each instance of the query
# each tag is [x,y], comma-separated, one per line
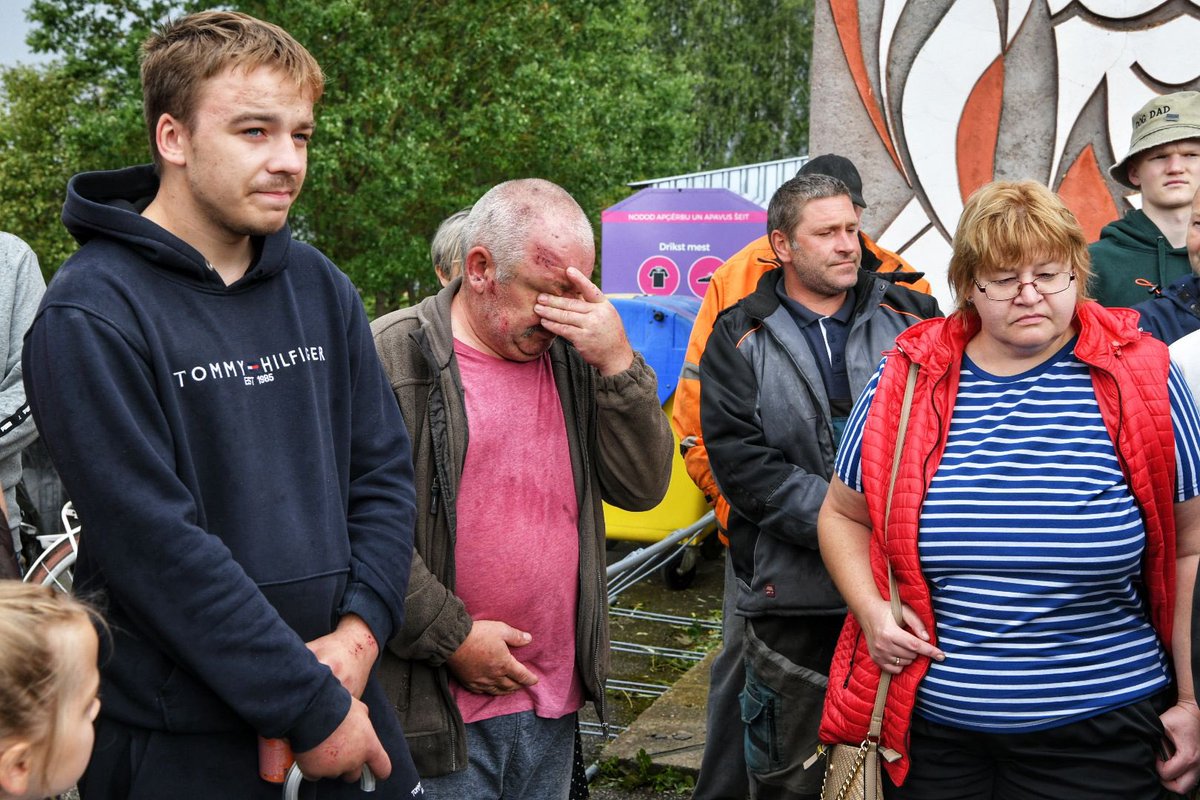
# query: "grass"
[643,774]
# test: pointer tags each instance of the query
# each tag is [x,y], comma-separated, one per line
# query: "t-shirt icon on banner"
[658,275]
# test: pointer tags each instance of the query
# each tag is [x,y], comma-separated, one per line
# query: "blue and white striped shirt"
[1032,545]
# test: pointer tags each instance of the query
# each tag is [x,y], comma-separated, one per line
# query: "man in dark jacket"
[1175,312]
[778,378]
[527,408]
[1175,318]
[208,390]
[723,774]
[1143,252]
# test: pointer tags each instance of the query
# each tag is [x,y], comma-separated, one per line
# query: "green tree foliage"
[751,59]
[428,104]
[466,95]
[83,112]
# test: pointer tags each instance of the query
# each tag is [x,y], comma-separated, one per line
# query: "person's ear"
[1132,171]
[779,243]
[16,767]
[479,269]
[171,137]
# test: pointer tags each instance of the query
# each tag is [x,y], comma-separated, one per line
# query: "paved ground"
[672,734]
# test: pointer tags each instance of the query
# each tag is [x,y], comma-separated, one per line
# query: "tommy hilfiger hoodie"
[241,472]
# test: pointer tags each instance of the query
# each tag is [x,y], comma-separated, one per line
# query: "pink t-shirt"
[517,548]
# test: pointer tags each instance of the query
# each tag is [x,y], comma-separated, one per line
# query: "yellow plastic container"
[683,505]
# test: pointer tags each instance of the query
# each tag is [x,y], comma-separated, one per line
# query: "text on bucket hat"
[837,167]
[1165,119]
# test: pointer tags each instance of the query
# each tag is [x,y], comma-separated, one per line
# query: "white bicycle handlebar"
[291,786]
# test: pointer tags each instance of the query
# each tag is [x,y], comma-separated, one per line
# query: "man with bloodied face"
[527,407]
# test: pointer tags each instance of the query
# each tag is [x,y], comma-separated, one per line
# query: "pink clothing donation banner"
[669,241]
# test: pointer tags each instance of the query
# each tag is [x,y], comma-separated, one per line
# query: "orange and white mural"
[933,98]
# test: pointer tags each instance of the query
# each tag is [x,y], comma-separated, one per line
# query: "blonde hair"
[1006,224]
[183,54]
[36,671]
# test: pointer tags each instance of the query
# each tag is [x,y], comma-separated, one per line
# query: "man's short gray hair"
[789,200]
[507,215]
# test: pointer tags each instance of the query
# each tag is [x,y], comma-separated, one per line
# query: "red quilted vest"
[1129,372]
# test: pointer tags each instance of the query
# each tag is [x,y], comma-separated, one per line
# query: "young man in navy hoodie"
[209,392]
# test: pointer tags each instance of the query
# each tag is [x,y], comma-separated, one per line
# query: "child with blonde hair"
[48,690]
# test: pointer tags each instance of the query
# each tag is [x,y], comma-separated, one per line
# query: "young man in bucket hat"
[1145,250]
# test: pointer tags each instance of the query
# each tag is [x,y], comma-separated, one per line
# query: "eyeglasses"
[1008,288]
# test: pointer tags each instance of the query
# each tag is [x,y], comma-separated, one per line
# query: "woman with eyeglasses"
[1043,532]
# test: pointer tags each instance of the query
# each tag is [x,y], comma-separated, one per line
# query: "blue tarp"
[659,327]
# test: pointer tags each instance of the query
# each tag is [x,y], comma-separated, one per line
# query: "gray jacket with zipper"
[620,446]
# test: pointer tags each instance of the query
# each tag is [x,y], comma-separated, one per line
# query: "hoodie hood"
[1135,231]
[1133,260]
[109,205]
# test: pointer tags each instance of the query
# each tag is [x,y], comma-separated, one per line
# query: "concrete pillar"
[933,98]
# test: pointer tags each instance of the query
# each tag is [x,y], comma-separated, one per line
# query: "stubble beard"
[536,338]
[822,281]
[219,216]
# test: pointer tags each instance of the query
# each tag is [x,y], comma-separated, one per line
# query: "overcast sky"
[13,28]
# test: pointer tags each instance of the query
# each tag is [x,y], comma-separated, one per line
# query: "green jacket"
[1130,249]
[621,449]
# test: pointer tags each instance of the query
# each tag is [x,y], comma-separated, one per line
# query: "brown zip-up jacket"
[620,445]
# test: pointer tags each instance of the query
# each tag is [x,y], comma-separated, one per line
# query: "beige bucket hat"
[1167,118]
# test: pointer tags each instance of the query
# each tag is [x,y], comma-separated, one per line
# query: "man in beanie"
[1144,251]
[737,278]
[723,767]
[1174,313]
